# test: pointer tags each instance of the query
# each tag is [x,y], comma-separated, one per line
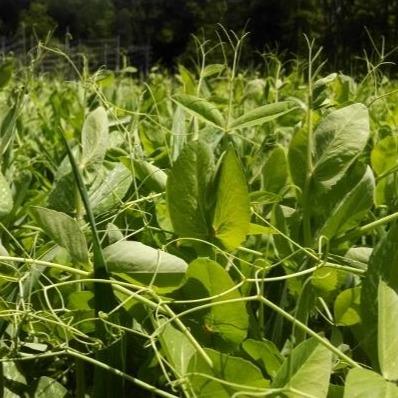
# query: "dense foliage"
[167,25]
[217,233]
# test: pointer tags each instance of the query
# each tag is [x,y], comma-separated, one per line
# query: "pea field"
[216,232]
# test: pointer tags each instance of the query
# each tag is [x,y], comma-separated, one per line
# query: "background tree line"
[167,25]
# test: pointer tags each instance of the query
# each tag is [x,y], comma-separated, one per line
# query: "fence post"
[67,51]
[3,47]
[117,66]
[106,54]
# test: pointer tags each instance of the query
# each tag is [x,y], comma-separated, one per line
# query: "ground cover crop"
[215,233]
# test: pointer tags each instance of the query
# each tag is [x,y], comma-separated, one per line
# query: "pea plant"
[214,233]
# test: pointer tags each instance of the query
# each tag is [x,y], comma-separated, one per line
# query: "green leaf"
[297,156]
[178,133]
[151,176]
[257,229]
[202,109]
[187,191]
[112,189]
[279,218]
[352,207]
[227,323]
[263,114]
[387,334]
[50,388]
[383,264]
[6,69]
[265,354]
[347,307]
[81,305]
[360,256]
[135,257]
[94,137]
[237,371]
[275,171]
[339,139]
[187,79]
[327,279]
[384,155]
[178,348]
[335,391]
[64,230]
[307,370]
[113,233]
[63,194]
[213,69]
[363,383]
[231,220]
[6,201]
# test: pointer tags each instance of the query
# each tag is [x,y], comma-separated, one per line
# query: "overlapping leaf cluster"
[210,234]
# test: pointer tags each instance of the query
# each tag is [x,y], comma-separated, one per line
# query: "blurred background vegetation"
[342,27]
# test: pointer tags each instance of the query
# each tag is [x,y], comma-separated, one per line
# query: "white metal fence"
[97,53]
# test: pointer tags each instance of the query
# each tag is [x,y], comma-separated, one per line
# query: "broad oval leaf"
[135,257]
[6,70]
[231,222]
[178,349]
[263,114]
[387,331]
[238,373]
[275,170]
[384,155]
[111,190]
[352,207]
[64,230]
[226,324]
[6,200]
[307,370]
[187,191]
[363,383]
[347,307]
[297,156]
[339,138]
[382,266]
[47,387]
[202,109]
[94,137]
[151,176]
[265,353]
[212,69]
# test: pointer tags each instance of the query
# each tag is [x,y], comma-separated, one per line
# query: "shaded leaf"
[275,171]
[383,265]
[226,323]
[387,331]
[307,370]
[187,190]
[135,257]
[153,178]
[347,307]
[112,189]
[384,155]
[6,201]
[64,230]
[94,137]
[178,348]
[265,354]
[352,207]
[232,213]
[231,369]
